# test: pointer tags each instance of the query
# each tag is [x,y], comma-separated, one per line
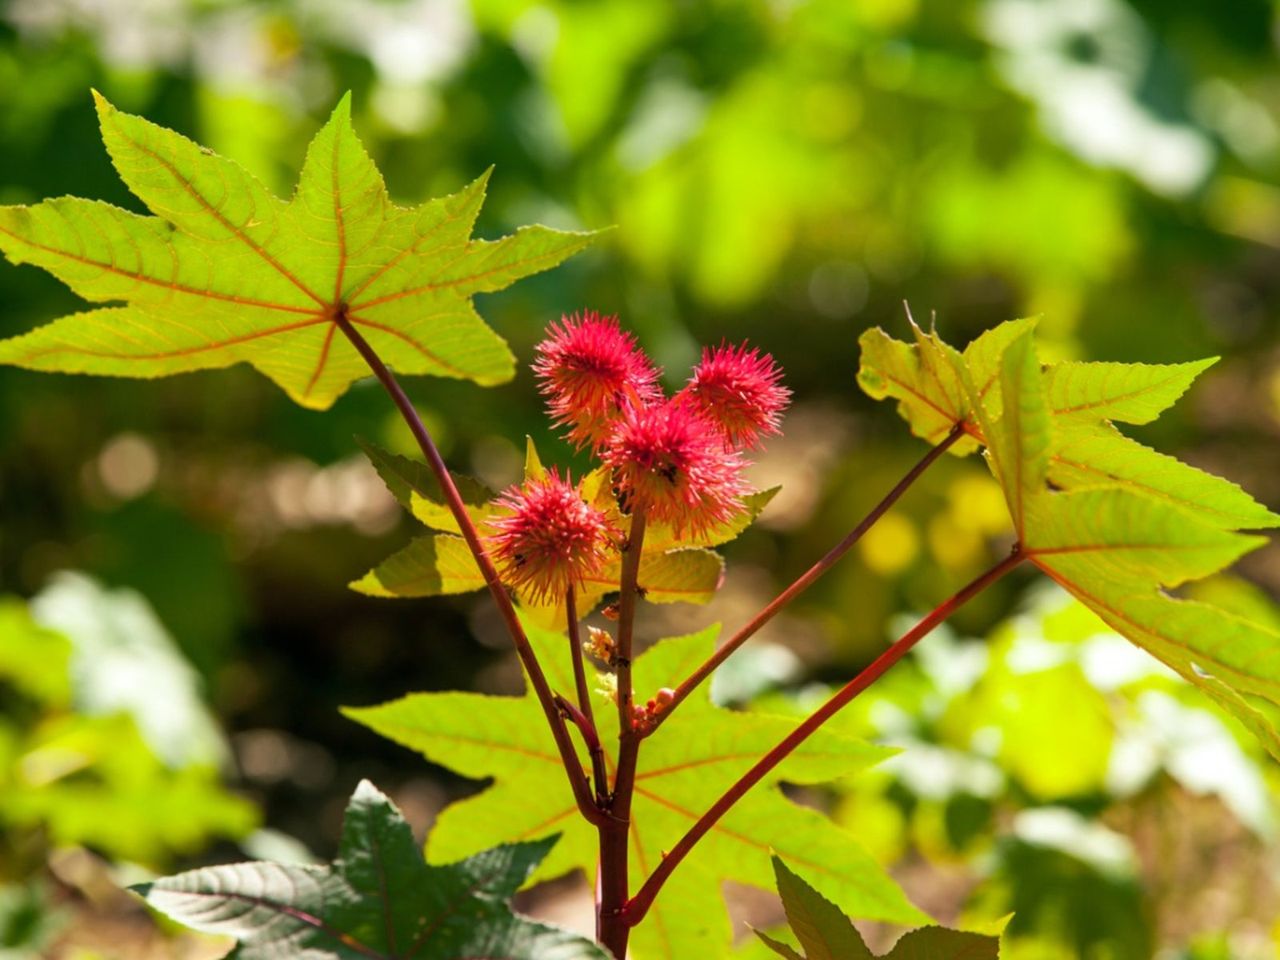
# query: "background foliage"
[785,172]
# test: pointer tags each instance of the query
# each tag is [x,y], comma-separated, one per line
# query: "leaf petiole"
[803,582]
[537,679]
[639,905]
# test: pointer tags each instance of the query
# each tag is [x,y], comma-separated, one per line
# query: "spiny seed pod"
[550,539]
[670,462]
[738,390]
[589,371]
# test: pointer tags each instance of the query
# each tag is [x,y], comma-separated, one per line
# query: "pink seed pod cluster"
[591,371]
[678,459]
[549,539]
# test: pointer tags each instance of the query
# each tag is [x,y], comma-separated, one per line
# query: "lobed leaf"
[428,567]
[416,488]
[1112,521]
[378,899]
[698,752]
[1019,442]
[1093,454]
[1128,392]
[825,933]
[224,272]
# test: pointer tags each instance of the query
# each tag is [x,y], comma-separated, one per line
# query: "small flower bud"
[599,644]
[607,687]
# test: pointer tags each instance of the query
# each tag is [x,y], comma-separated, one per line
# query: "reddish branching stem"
[537,679]
[804,581]
[639,905]
[612,929]
[599,774]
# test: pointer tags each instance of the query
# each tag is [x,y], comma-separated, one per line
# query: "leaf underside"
[378,899]
[225,272]
[1118,525]
[698,753]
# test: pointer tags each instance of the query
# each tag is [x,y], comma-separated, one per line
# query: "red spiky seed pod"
[550,539]
[668,461]
[738,389]
[590,371]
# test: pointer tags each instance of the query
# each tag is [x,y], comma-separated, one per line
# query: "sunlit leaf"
[1092,454]
[378,899]
[697,753]
[1127,392]
[225,272]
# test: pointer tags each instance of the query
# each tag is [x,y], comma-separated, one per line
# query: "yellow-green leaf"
[225,272]
[698,752]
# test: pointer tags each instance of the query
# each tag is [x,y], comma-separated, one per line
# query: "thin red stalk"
[599,775]
[639,905]
[564,744]
[612,929]
[803,582]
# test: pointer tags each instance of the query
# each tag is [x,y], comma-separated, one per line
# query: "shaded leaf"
[696,755]
[428,567]
[225,272]
[416,488]
[378,899]
[825,933]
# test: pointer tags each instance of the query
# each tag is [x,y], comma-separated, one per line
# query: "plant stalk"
[639,905]
[612,928]
[803,582]
[564,744]
[599,775]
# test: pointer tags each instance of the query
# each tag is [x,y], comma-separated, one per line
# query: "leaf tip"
[141,889]
[102,105]
[342,109]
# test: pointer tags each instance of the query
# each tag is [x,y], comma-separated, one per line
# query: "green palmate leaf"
[1114,550]
[1082,399]
[378,899]
[1127,392]
[226,272]
[935,385]
[1097,454]
[1112,521]
[826,933]
[1020,442]
[696,755]
[891,368]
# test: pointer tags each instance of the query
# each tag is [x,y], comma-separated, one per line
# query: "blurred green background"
[788,172]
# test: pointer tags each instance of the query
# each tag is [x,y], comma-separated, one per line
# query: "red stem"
[598,773]
[639,905]
[564,744]
[803,582]
[612,928]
